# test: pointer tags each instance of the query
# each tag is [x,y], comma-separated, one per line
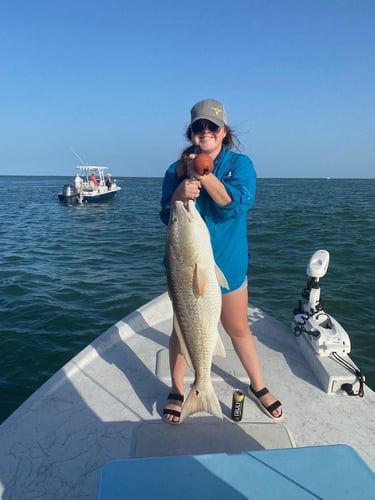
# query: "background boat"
[90,185]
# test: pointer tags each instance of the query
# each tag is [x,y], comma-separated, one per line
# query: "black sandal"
[175,413]
[256,395]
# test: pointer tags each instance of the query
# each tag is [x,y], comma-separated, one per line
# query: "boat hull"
[74,199]
[100,198]
[107,403]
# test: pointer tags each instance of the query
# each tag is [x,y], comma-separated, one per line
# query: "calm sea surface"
[68,273]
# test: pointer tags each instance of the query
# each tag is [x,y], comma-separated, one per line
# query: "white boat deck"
[106,404]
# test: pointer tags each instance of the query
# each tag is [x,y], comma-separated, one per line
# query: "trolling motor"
[324,333]
[324,342]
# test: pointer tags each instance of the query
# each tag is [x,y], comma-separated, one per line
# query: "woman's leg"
[234,320]
[178,366]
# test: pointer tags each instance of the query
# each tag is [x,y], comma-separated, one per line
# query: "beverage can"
[237,405]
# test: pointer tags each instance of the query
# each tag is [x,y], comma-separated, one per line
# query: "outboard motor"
[70,195]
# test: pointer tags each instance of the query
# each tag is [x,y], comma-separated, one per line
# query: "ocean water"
[69,273]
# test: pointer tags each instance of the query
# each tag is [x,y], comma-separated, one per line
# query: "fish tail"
[201,399]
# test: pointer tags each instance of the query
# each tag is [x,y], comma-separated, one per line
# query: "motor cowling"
[70,195]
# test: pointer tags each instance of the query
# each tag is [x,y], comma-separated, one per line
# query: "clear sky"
[115,80]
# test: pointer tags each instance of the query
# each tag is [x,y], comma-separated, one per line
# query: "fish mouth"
[184,209]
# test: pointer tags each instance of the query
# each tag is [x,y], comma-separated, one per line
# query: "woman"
[223,198]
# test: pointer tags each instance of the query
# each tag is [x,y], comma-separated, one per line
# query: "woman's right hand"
[189,189]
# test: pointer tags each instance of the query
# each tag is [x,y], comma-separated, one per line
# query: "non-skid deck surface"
[201,435]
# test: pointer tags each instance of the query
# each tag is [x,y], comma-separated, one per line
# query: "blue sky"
[114,80]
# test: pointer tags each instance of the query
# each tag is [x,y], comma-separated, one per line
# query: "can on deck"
[237,405]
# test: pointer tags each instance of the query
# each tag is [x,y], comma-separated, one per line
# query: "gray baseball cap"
[209,109]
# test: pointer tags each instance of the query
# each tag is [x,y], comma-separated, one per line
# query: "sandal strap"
[176,397]
[272,407]
[260,393]
[174,413]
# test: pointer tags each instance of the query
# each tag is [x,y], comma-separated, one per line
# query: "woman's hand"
[189,189]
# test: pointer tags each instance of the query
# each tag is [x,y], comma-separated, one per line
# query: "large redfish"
[194,287]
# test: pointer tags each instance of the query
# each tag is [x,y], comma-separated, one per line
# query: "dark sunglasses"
[201,125]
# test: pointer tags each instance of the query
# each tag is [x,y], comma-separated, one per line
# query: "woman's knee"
[240,333]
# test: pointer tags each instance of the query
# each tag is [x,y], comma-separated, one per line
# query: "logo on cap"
[217,110]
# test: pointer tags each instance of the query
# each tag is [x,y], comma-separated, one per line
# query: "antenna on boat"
[77,155]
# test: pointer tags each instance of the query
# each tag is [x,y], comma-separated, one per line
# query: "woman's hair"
[230,141]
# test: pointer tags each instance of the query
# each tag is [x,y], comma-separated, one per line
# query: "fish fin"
[203,399]
[200,279]
[181,340]
[219,348]
[221,278]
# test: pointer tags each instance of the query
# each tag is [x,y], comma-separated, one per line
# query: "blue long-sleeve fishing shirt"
[227,224]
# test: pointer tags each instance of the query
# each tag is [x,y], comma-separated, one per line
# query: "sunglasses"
[201,125]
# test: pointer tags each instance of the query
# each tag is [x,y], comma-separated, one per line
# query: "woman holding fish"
[223,197]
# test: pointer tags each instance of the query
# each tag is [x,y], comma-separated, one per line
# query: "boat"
[91,185]
[95,430]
